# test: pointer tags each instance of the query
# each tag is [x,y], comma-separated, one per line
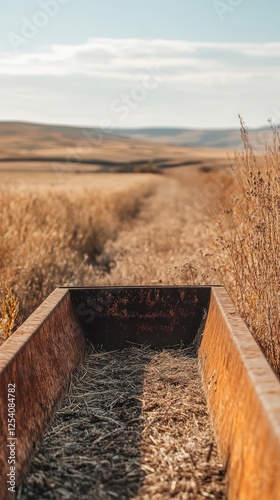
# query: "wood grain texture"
[244,400]
[39,358]
[243,393]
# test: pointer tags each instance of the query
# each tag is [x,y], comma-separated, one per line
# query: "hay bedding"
[133,425]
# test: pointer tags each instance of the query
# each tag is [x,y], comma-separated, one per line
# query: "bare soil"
[133,425]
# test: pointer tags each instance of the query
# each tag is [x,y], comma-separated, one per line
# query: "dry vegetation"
[9,306]
[134,425]
[152,229]
[54,238]
[153,232]
[249,242]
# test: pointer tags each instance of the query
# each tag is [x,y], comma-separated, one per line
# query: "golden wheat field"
[192,224]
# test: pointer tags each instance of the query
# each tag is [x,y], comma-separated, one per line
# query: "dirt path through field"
[169,240]
[143,449]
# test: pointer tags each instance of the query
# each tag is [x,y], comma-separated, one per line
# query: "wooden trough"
[242,391]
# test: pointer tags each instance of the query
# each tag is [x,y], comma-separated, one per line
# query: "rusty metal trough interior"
[242,392]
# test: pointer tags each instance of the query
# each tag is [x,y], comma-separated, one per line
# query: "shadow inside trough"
[92,449]
[116,317]
[134,425]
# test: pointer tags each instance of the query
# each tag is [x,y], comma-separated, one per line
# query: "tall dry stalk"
[9,307]
[54,238]
[249,242]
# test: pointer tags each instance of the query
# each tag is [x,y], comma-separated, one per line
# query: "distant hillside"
[219,138]
[28,147]
[29,135]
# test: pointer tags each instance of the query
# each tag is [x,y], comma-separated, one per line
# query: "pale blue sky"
[88,54]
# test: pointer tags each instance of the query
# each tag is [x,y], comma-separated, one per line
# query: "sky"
[131,63]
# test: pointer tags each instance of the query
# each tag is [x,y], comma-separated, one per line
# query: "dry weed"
[54,238]
[167,232]
[9,306]
[133,425]
[248,251]
[75,237]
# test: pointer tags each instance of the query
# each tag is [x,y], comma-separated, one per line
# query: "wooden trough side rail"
[37,361]
[244,400]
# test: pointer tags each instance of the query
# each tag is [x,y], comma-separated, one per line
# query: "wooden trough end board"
[244,400]
[39,359]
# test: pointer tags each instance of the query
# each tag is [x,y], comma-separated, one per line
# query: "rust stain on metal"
[142,315]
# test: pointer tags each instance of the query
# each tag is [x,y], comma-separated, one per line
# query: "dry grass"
[167,232]
[179,454]
[9,306]
[53,238]
[248,252]
[76,236]
[134,425]
[172,242]
[145,233]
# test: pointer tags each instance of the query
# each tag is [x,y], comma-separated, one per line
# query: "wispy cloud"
[208,69]
[130,57]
